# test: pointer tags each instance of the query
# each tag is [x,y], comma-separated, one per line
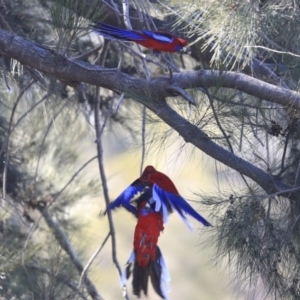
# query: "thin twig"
[6,161]
[128,25]
[103,52]
[126,19]
[4,72]
[30,109]
[139,12]
[210,98]
[273,50]
[218,122]
[20,119]
[104,181]
[154,9]
[85,269]
[254,130]
[99,130]
[287,138]
[243,122]
[291,190]
[3,21]
[119,102]
[54,199]
[109,113]
[44,138]
[144,114]
[297,173]
[58,277]
[71,179]
[88,53]
[114,6]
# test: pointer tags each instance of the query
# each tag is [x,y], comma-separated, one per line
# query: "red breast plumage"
[146,260]
[147,231]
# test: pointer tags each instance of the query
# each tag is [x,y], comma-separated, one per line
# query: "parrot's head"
[180,47]
[146,175]
[182,42]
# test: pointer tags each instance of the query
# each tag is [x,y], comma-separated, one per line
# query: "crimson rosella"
[146,259]
[155,40]
[165,196]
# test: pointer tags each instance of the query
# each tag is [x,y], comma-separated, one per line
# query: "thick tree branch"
[64,242]
[192,134]
[142,90]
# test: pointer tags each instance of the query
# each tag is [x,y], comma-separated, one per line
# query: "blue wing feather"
[179,204]
[125,197]
[160,202]
[165,213]
[166,202]
[159,36]
[112,32]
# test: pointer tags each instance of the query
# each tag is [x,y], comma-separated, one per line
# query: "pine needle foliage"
[236,32]
[70,19]
[44,140]
[258,240]
[256,234]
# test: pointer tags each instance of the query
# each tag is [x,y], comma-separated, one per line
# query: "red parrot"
[165,196]
[158,41]
[146,258]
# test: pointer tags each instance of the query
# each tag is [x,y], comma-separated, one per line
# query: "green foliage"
[255,233]
[44,144]
[51,278]
[234,31]
[70,18]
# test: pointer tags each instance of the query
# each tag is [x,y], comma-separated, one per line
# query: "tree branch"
[192,134]
[142,90]
[66,245]
[104,182]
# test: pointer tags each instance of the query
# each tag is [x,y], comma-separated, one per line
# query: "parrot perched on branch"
[155,40]
[165,196]
[146,259]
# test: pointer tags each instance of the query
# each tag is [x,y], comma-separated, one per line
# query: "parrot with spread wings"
[146,260]
[155,40]
[165,197]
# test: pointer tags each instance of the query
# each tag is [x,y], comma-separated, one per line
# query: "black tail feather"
[141,276]
[155,274]
[140,280]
